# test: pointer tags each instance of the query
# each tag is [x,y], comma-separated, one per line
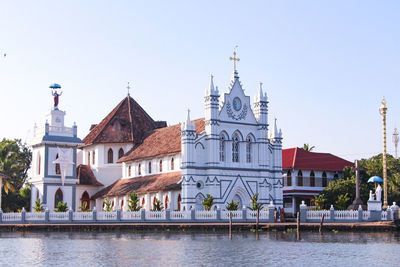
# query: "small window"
[88,158]
[39,163]
[166,202]
[57,166]
[324,180]
[85,200]
[248,149]
[312,179]
[235,149]
[289,178]
[179,202]
[160,165]
[117,126]
[58,197]
[150,167]
[110,156]
[140,169]
[129,171]
[94,157]
[222,148]
[172,164]
[120,153]
[300,178]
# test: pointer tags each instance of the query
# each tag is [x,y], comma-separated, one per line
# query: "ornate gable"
[236,106]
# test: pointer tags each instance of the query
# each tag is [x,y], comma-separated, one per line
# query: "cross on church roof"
[234,58]
[129,88]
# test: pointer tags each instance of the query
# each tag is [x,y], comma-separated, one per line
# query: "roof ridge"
[130,115]
[294,157]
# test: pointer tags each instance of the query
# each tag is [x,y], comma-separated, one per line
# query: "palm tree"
[308,148]
[134,202]
[208,202]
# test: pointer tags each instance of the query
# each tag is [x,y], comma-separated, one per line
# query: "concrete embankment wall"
[208,227]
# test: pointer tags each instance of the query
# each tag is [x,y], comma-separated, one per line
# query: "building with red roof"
[306,174]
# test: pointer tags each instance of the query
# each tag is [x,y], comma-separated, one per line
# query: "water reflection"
[198,248]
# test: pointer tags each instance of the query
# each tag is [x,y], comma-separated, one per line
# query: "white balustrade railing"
[252,214]
[180,215]
[82,216]
[107,216]
[10,217]
[131,215]
[317,214]
[35,216]
[64,131]
[206,215]
[155,215]
[236,214]
[366,215]
[346,215]
[59,216]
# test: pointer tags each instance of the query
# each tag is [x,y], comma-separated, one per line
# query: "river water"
[199,249]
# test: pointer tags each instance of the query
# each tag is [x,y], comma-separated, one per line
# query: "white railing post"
[332,213]
[271,209]
[192,214]
[244,212]
[143,214]
[23,214]
[70,214]
[360,213]
[167,214]
[119,214]
[94,213]
[218,214]
[46,215]
[395,211]
[303,211]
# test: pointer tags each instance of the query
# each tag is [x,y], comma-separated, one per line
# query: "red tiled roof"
[86,176]
[133,120]
[146,184]
[160,142]
[298,158]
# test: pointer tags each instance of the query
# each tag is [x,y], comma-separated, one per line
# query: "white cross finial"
[234,58]
[129,88]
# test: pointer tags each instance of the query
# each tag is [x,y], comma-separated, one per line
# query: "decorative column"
[383,110]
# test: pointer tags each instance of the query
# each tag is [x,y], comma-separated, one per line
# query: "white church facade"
[230,154]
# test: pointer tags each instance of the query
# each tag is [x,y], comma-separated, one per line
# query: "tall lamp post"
[383,110]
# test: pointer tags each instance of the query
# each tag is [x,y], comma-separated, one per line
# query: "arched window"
[129,171]
[88,158]
[140,169]
[166,202]
[222,140]
[179,202]
[150,167]
[324,180]
[39,162]
[85,201]
[160,165]
[336,176]
[300,178]
[57,166]
[154,202]
[110,156]
[94,157]
[235,148]
[120,153]
[58,197]
[143,201]
[248,149]
[172,164]
[289,178]
[312,179]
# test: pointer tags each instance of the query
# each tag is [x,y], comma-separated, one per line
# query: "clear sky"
[325,64]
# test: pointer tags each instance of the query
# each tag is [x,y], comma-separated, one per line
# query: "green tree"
[15,159]
[38,206]
[233,205]
[308,148]
[84,207]
[107,205]
[208,202]
[61,207]
[342,202]
[255,205]
[133,202]
[157,206]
